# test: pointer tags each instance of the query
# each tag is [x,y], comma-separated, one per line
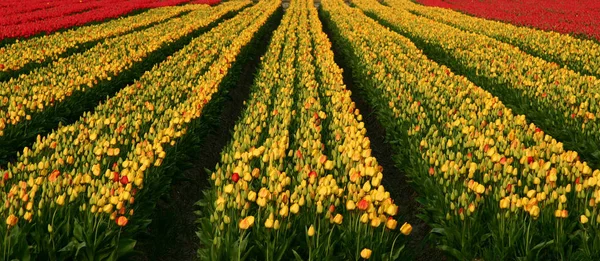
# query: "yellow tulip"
[406,229]
[12,220]
[366,253]
[338,219]
[311,231]
[391,224]
[350,205]
[583,219]
[246,222]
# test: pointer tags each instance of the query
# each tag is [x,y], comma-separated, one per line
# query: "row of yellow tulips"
[77,189]
[47,86]
[280,192]
[49,47]
[494,185]
[577,54]
[561,101]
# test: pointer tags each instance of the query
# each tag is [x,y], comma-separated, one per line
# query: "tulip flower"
[583,219]
[11,220]
[246,222]
[122,221]
[406,229]
[311,231]
[366,253]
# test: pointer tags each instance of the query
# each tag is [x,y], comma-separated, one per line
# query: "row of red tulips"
[18,7]
[100,14]
[493,185]
[60,10]
[83,191]
[580,17]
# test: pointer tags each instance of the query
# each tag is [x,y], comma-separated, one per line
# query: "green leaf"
[298,258]
[439,231]
[78,231]
[542,245]
[452,252]
[125,246]
[397,252]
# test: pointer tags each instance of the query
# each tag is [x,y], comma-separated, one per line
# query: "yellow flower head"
[366,253]
[406,229]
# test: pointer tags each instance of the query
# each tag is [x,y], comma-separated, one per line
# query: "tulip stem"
[6,245]
[329,240]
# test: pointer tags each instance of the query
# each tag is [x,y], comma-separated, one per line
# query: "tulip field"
[490,129]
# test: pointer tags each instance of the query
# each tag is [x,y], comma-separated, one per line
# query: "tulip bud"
[269,223]
[338,219]
[366,253]
[406,229]
[295,208]
[228,188]
[391,224]
[311,231]
[350,205]
[246,223]
[375,222]
[392,210]
[122,221]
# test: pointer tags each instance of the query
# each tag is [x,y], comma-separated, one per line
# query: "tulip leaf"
[452,251]
[78,231]
[439,231]
[297,256]
[126,246]
[397,252]
[542,245]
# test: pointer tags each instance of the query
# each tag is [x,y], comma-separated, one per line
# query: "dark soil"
[172,233]
[394,180]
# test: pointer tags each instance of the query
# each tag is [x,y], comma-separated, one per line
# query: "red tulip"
[235,177]
[362,204]
[503,160]
[124,180]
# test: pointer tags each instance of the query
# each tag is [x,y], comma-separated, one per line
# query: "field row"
[298,179]
[105,171]
[496,126]
[564,103]
[26,54]
[27,23]
[36,102]
[494,185]
[579,17]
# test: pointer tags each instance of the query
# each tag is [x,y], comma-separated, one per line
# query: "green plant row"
[493,185]
[83,191]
